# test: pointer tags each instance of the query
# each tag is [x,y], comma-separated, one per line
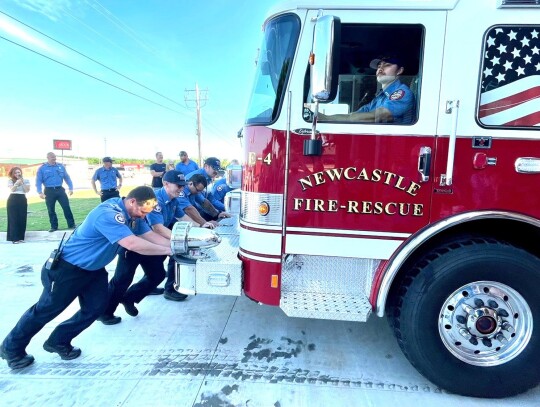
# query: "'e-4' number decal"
[268,159]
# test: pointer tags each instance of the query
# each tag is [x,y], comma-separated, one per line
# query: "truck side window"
[510,84]
[379,75]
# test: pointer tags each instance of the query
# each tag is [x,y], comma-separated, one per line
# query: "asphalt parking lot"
[209,351]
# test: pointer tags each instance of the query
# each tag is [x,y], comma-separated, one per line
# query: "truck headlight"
[187,241]
[233,174]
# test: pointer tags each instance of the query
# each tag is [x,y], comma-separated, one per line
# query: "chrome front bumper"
[219,271]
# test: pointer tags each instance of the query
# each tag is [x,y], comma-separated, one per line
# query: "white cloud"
[50,9]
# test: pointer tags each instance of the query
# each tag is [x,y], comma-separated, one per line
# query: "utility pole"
[197,96]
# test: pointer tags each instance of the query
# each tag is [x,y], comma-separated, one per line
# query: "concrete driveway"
[210,351]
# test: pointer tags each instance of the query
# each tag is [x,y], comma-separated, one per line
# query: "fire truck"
[433,223]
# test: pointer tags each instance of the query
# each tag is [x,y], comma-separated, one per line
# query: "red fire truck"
[432,221]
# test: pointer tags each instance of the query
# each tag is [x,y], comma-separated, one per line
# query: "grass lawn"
[81,202]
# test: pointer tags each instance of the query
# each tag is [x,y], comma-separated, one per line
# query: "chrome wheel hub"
[485,323]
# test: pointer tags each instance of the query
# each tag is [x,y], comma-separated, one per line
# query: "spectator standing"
[107,177]
[80,272]
[52,175]
[157,170]
[185,166]
[17,206]
[170,165]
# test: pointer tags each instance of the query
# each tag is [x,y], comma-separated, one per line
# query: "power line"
[119,24]
[91,76]
[91,59]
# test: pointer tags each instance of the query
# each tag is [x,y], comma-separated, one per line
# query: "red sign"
[62,144]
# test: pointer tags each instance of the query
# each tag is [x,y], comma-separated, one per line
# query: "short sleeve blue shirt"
[166,210]
[186,168]
[52,176]
[398,99]
[107,177]
[94,243]
[186,198]
[217,195]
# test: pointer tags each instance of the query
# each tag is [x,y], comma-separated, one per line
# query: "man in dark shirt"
[157,170]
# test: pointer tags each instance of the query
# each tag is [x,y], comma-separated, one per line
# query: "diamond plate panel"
[327,287]
[220,272]
[339,307]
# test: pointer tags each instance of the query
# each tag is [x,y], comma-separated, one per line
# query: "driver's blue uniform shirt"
[107,177]
[166,210]
[398,99]
[52,176]
[94,243]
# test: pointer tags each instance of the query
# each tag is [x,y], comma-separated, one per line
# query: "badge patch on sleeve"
[398,94]
[157,208]
[120,218]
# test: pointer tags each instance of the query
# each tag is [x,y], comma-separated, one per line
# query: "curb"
[36,236]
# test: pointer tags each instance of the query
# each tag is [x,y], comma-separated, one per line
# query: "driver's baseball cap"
[390,59]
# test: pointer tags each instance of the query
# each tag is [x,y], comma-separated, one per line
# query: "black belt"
[53,187]
[108,190]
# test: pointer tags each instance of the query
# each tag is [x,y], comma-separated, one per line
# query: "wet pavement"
[209,351]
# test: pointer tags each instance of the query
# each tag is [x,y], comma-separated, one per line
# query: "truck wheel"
[464,317]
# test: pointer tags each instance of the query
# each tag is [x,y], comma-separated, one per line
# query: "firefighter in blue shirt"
[185,166]
[191,193]
[80,272]
[217,195]
[167,210]
[107,176]
[210,170]
[52,175]
[395,103]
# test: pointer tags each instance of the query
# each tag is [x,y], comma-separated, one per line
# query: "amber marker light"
[264,208]
[274,282]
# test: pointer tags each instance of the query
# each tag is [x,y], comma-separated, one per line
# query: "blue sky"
[167,46]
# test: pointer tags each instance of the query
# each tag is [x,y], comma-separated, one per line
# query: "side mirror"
[324,59]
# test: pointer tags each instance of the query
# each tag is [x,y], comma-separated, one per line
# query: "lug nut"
[466,334]
[467,308]
[500,337]
[508,328]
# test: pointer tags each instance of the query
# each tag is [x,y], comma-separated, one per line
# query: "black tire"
[417,305]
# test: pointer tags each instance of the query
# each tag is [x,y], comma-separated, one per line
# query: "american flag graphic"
[510,93]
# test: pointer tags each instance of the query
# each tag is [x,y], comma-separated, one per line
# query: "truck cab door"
[371,186]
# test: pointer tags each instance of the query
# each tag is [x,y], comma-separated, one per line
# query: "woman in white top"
[17,206]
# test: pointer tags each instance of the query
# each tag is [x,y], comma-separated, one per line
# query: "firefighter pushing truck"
[434,224]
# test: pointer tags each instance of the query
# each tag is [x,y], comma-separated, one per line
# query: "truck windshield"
[273,67]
